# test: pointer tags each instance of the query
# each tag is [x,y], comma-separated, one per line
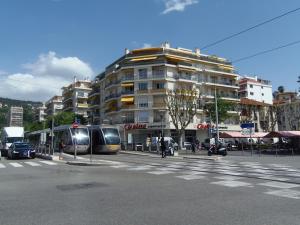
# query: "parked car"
[20,150]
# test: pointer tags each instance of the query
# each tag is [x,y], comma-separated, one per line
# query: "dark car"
[20,150]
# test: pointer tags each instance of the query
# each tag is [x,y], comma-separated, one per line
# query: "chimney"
[166,45]
[126,51]
[197,51]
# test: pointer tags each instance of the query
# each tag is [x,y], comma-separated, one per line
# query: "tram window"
[82,136]
[111,136]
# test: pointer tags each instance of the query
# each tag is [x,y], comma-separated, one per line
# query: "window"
[251,85]
[143,73]
[160,85]
[251,93]
[143,101]
[143,116]
[262,94]
[143,86]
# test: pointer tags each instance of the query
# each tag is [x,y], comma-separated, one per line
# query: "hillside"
[28,106]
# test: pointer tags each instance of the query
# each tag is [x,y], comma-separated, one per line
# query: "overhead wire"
[250,28]
[266,51]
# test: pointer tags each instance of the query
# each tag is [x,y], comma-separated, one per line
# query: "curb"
[41,156]
[84,163]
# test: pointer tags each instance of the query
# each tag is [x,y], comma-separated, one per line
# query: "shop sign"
[135,126]
[204,126]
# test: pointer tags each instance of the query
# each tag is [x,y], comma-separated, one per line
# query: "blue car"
[20,150]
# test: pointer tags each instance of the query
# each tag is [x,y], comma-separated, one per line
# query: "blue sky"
[45,42]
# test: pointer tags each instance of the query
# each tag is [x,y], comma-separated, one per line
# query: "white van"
[10,135]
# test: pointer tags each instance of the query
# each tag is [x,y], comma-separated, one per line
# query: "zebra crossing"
[273,179]
[22,164]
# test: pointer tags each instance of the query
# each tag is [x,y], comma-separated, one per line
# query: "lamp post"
[124,131]
[217,115]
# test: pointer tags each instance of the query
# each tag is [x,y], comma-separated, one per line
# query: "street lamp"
[217,115]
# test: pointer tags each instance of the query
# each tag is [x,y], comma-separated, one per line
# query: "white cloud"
[44,78]
[177,5]
[147,45]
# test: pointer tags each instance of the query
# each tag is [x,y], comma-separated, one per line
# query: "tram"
[104,139]
[71,137]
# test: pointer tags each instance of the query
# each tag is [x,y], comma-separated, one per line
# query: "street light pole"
[217,115]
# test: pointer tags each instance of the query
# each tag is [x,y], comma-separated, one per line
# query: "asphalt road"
[129,189]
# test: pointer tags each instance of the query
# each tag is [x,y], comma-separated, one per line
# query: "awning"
[287,134]
[181,68]
[178,59]
[127,99]
[127,84]
[236,134]
[143,59]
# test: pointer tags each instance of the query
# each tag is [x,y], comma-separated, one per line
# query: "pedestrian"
[193,147]
[163,147]
[61,146]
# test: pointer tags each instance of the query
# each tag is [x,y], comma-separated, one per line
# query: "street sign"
[247,132]
[75,125]
[247,125]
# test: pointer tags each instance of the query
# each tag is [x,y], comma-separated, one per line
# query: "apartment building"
[54,105]
[256,89]
[132,90]
[16,116]
[75,97]
[40,113]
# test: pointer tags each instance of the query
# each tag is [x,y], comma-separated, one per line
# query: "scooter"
[217,150]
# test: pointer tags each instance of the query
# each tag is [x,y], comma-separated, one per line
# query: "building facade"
[256,89]
[132,90]
[41,113]
[75,97]
[54,105]
[16,116]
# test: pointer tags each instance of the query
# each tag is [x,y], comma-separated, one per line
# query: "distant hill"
[28,107]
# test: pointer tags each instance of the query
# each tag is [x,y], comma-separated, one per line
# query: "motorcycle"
[220,150]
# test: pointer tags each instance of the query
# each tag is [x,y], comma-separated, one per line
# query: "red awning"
[288,134]
[236,134]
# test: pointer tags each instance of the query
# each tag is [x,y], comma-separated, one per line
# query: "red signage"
[75,125]
[135,126]
[204,126]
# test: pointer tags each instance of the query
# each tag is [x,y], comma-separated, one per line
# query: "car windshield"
[22,145]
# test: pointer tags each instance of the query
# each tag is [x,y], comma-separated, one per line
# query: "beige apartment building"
[40,113]
[54,105]
[132,90]
[75,97]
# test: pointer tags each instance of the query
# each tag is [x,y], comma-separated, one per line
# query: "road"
[133,189]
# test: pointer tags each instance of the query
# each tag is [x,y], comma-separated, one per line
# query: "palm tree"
[280,89]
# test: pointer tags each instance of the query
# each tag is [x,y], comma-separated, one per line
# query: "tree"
[281,89]
[182,107]
[223,108]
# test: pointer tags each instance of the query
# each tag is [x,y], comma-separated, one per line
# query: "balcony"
[112,96]
[160,90]
[142,91]
[115,82]
[128,106]
[127,92]
[128,78]
[221,83]
[158,75]
[159,105]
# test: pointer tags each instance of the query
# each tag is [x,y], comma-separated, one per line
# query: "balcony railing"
[112,96]
[158,105]
[112,83]
[128,107]
[160,90]
[127,92]
[128,78]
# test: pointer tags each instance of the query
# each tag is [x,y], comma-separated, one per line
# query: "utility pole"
[52,134]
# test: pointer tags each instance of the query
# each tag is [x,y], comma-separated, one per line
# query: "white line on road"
[2,166]
[49,163]
[16,164]
[32,163]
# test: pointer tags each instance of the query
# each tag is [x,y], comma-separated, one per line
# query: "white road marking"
[140,168]
[49,163]
[227,177]
[16,164]
[287,193]
[160,172]
[32,163]
[2,166]
[191,177]
[233,173]
[120,166]
[232,183]
[275,184]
